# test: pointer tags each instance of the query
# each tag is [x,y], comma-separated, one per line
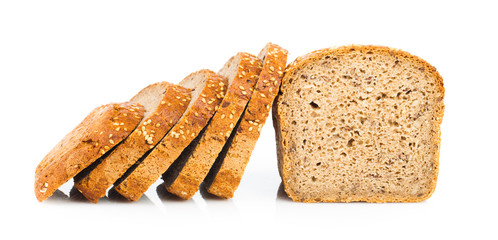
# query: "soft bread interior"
[361,125]
[150,97]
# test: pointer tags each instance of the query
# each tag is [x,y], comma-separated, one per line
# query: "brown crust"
[180,136]
[224,180]
[92,138]
[197,166]
[175,101]
[311,57]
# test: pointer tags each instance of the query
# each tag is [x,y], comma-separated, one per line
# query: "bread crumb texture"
[359,123]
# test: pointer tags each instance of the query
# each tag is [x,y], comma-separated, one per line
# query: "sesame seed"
[117,124]
[106,147]
[231,116]
[163,102]
[263,95]
[111,141]
[143,128]
[184,138]
[118,128]
[178,97]
[250,129]
[181,132]
[102,151]
[240,76]
[272,68]
[203,100]
[149,121]
[169,104]
[145,123]
[126,129]
[242,87]
[139,133]
[110,135]
[45,184]
[222,116]
[158,125]
[151,147]
[243,73]
[231,125]
[244,92]
[101,133]
[121,124]
[221,84]
[280,72]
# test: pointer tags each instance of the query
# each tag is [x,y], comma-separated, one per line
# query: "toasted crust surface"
[290,162]
[211,88]
[225,175]
[243,71]
[98,133]
[151,130]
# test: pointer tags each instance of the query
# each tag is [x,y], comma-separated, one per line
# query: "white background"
[60,59]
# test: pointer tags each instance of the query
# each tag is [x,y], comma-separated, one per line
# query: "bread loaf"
[359,123]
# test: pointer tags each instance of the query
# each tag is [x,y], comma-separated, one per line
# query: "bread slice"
[98,133]
[184,177]
[359,123]
[208,89]
[164,104]
[226,173]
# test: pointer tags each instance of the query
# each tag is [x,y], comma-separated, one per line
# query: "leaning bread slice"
[359,123]
[208,89]
[226,173]
[98,133]
[164,104]
[187,173]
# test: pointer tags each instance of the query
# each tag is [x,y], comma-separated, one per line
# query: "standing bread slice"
[188,172]
[208,89]
[225,175]
[164,104]
[99,132]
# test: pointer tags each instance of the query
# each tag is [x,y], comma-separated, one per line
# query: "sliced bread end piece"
[359,123]
[188,172]
[90,140]
[226,173]
[208,89]
[164,104]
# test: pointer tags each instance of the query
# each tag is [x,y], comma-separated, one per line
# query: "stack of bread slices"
[202,129]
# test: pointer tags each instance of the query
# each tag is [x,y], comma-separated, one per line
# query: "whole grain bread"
[226,173]
[164,104]
[208,89]
[98,133]
[359,123]
[184,177]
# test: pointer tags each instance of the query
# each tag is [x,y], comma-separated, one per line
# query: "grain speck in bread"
[164,104]
[187,173]
[225,175]
[359,123]
[92,138]
[208,89]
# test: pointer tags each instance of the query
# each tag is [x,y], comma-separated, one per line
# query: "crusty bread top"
[98,133]
[188,172]
[164,103]
[225,175]
[208,89]
[359,123]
